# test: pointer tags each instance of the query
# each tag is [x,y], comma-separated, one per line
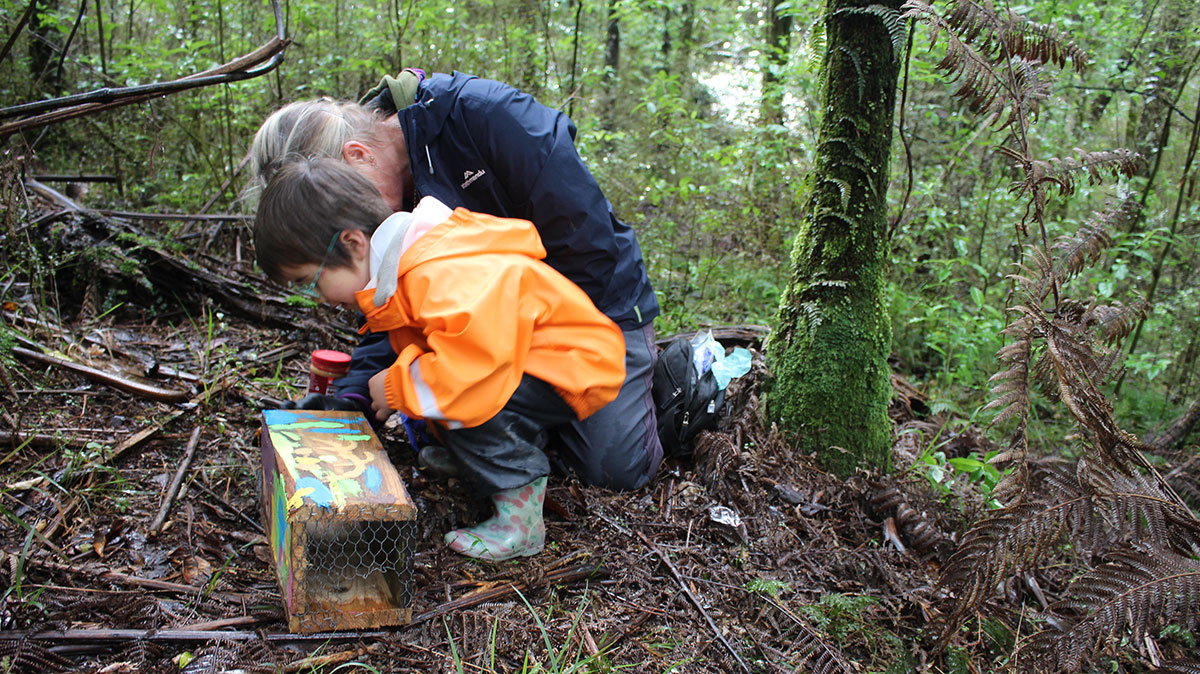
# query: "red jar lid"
[330,360]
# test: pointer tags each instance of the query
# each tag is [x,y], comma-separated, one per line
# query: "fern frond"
[1029,87]
[32,656]
[1012,35]
[892,20]
[1010,390]
[1113,323]
[1116,217]
[1136,591]
[808,649]
[1140,505]
[997,58]
[843,188]
[1180,666]
[1081,249]
[1074,367]
[817,44]
[1062,172]
[1016,537]
[1013,486]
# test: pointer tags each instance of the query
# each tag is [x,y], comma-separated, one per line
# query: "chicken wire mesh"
[352,570]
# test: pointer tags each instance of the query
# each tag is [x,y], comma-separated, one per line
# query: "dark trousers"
[617,446]
[507,451]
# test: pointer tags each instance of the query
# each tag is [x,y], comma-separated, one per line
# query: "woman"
[487,147]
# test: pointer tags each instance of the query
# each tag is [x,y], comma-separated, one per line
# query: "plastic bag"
[736,364]
[705,351]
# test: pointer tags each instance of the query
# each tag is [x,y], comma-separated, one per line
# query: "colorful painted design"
[323,473]
[328,457]
[281,535]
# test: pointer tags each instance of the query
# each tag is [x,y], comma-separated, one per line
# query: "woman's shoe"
[516,530]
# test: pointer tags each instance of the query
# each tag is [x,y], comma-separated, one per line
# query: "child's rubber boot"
[438,460]
[516,530]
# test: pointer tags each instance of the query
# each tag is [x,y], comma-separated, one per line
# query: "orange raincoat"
[474,308]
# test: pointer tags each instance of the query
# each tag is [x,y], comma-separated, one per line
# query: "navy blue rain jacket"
[490,148]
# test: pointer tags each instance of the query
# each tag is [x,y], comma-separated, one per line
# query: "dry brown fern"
[1114,517]
[28,655]
[1136,590]
[1181,666]
[996,57]
[808,650]
[1013,35]
[1116,501]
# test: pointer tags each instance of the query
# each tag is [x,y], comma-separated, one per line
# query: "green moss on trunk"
[829,347]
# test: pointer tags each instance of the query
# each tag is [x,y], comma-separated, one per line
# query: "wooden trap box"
[340,521]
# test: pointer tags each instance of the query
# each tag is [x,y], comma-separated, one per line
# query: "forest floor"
[742,558]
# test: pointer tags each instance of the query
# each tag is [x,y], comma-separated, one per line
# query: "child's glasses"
[311,288]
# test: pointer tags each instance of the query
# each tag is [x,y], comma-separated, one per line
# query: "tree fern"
[1114,509]
[893,20]
[1136,590]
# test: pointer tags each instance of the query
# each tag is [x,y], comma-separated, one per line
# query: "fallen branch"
[558,577]
[129,386]
[258,62]
[129,215]
[179,635]
[250,296]
[135,581]
[1179,430]
[695,601]
[318,662]
[173,490]
[42,440]
[76,178]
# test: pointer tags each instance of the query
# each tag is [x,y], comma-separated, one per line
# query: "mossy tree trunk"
[829,346]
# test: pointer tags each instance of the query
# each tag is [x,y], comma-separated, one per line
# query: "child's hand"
[379,403]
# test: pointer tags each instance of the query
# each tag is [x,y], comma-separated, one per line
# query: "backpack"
[686,403]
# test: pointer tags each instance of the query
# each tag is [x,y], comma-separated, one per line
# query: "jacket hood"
[464,233]
[469,233]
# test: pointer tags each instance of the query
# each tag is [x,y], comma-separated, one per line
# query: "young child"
[495,347]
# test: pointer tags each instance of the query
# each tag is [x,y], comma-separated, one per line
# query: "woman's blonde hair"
[314,128]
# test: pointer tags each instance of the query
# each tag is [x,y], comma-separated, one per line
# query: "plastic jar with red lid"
[326,366]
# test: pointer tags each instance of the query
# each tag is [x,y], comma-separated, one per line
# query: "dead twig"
[173,490]
[147,583]
[229,506]
[41,440]
[315,662]
[558,577]
[694,599]
[127,385]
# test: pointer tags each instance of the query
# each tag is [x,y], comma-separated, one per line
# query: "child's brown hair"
[308,201]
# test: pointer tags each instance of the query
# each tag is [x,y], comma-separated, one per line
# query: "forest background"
[699,119]
[701,134]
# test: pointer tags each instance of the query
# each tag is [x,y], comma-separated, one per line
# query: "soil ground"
[741,558]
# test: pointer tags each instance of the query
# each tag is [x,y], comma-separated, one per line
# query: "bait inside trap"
[340,522]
